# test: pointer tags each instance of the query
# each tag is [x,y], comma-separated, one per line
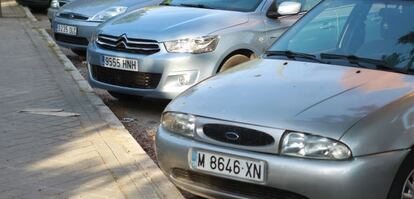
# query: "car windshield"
[376,34]
[232,5]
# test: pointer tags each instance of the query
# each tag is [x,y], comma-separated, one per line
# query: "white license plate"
[121,63]
[65,29]
[232,166]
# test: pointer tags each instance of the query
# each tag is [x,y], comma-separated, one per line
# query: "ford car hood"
[316,98]
[164,23]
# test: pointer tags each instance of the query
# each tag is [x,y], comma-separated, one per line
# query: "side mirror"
[289,8]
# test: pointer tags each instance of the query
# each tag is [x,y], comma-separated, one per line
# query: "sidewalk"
[47,156]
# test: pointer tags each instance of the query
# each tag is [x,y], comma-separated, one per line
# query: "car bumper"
[170,67]
[368,177]
[85,29]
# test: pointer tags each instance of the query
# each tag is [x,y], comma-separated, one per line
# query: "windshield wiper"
[293,55]
[194,5]
[379,64]
[360,61]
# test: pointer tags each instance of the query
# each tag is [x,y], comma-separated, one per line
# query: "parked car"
[75,23]
[55,5]
[36,4]
[327,113]
[161,51]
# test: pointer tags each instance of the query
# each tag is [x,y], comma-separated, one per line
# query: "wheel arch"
[242,51]
[405,164]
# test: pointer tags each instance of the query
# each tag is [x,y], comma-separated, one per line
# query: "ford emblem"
[233,136]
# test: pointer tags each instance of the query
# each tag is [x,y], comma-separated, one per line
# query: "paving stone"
[60,157]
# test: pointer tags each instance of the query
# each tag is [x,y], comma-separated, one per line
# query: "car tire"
[404,175]
[81,53]
[232,61]
[124,97]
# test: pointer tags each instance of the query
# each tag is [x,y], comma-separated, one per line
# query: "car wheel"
[403,185]
[81,53]
[233,61]
[124,97]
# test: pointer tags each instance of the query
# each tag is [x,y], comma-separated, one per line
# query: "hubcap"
[408,189]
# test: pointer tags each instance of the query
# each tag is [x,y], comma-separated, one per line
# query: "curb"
[164,187]
[29,14]
[83,84]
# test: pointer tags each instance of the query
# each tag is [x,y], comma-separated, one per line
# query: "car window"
[389,32]
[373,23]
[328,25]
[308,4]
[233,5]
[380,30]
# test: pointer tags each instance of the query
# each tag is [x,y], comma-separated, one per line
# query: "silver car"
[55,5]
[75,23]
[328,113]
[161,51]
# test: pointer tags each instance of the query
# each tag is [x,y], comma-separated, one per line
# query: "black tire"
[404,173]
[124,97]
[81,53]
[232,61]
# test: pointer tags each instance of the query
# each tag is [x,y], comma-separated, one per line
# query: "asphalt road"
[140,117]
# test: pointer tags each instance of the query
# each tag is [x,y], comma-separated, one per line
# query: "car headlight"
[193,45]
[312,146]
[180,123]
[54,4]
[108,13]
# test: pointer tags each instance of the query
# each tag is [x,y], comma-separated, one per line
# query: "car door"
[276,26]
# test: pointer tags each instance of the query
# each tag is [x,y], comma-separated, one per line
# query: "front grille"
[130,45]
[69,15]
[243,189]
[71,39]
[126,78]
[244,136]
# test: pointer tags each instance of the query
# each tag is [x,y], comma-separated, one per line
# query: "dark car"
[39,4]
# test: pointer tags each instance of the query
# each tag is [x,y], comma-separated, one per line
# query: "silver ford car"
[161,51]
[74,23]
[328,113]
